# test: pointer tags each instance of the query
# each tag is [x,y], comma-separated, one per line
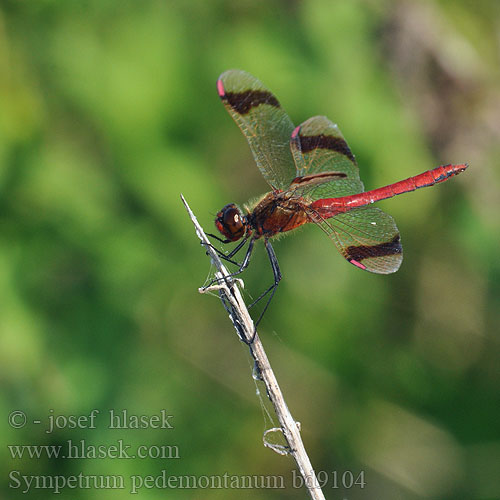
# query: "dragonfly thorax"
[231,223]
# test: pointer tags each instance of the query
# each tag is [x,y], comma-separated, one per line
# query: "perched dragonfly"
[314,177]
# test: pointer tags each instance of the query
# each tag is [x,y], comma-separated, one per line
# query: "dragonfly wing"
[367,238]
[319,148]
[263,122]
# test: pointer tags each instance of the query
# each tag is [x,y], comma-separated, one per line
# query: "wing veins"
[337,228]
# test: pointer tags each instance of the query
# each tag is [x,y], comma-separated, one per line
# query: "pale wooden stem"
[243,323]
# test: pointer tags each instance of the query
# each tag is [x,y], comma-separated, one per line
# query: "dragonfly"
[314,178]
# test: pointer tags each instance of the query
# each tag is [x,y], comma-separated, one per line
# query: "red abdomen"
[329,207]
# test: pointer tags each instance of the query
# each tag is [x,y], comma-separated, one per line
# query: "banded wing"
[367,237]
[326,168]
[325,165]
[265,125]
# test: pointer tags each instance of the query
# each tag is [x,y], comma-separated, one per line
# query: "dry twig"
[239,315]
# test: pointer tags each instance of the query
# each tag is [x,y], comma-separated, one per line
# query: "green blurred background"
[108,111]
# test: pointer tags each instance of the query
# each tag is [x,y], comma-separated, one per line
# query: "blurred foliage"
[109,111]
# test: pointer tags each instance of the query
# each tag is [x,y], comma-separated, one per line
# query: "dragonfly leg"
[222,294]
[272,288]
[228,257]
[246,261]
[218,239]
[243,265]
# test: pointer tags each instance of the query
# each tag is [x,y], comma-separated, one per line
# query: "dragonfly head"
[231,223]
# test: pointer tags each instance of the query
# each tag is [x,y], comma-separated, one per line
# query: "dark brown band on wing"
[358,253]
[319,178]
[337,144]
[243,102]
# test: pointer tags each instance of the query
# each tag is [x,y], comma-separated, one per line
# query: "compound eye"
[232,219]
[230,222]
